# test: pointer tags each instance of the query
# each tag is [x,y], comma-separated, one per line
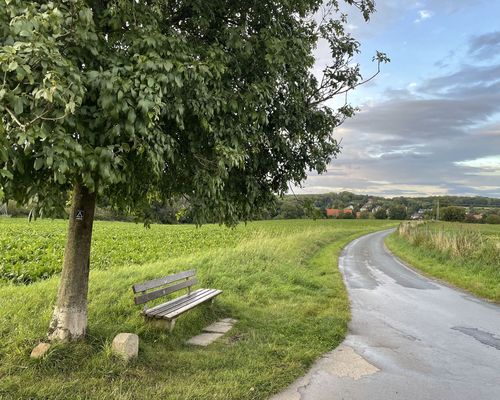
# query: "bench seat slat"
[207,295]
[163,292]
[160,308]
[188,302]
[175,313]
[142,287]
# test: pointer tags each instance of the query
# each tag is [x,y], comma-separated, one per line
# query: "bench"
[167,313]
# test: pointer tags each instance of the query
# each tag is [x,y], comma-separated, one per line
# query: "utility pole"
[437,211]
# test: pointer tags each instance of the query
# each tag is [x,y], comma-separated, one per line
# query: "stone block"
[40,350]
[126,345]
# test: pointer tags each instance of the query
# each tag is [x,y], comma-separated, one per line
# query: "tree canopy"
[144,100]
[453,213]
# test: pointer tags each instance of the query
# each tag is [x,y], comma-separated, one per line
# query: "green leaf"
[70,107]
[6,174]
[12,66]
[18,105]
[178,81]
[168,65]
[38,163]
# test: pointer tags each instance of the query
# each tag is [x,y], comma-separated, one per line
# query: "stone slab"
[218,327]
[204,339]
[228,320]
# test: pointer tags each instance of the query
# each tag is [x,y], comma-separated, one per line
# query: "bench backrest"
[146,292]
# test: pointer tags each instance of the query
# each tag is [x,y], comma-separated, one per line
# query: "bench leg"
[165,324]
[170,325]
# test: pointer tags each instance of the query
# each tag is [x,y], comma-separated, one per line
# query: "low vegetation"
[280,280]
[465,255]
[34,251]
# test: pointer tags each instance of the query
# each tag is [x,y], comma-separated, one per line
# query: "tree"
[397,211]
[381,213]
[146,100]
[453,213]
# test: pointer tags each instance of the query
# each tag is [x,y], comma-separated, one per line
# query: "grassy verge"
[280,280]
[464,255]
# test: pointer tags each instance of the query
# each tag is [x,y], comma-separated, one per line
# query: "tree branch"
[13,116]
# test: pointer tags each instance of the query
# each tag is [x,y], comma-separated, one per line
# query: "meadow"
[280,281]
[464,255]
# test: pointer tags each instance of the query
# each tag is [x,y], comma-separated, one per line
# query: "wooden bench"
[169,311]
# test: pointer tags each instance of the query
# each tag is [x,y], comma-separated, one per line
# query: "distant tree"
[397,212]
[310,210]
[381,213]
[346,215]
[364,215]
[492,219]
[453,213]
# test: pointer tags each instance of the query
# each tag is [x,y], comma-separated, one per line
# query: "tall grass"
[459,244]
[465,255]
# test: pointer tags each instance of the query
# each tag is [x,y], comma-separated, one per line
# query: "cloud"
[486,46]
[422,136]
[483,166]
[423,15]
[433,140]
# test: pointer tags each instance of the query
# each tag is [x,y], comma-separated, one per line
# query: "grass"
[280,280]
[464,255]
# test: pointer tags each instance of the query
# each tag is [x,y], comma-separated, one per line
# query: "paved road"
[410,337]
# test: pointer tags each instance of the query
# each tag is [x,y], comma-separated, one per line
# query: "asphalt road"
[410,337]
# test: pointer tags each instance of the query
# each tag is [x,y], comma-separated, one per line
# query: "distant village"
[346,205]
[371,210]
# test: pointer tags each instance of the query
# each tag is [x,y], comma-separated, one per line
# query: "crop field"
[280,281]
[31,251]
[465,255]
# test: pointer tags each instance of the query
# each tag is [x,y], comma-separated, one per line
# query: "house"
[417,216]
[367,206]
[332,212]
[335,212]
[474,216]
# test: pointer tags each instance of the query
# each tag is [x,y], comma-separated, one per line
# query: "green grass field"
[280,280]
[464,255]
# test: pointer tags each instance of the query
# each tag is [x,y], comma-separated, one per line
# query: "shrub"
[453,213]
[397,212]
[381,213]
[492,219]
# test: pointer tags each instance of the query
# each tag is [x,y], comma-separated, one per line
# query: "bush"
[364,215]
[492,219]
[381,213]
[397,212]
[453,213]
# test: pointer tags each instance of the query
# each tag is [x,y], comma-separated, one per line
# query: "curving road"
[410,337]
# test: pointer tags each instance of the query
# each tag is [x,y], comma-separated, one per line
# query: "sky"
[429,123]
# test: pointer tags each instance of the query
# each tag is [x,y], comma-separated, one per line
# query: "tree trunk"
[69,320]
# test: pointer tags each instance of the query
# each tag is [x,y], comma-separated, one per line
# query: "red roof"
[335,212]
